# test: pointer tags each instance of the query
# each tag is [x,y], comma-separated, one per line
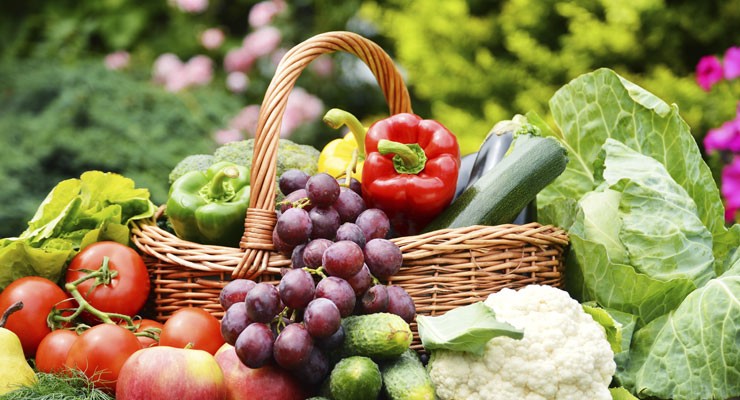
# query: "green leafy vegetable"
[620,393]
[602,105]
[466,328]
[76,212]
[692,352]
[612,327]
[72,386]
[648,240]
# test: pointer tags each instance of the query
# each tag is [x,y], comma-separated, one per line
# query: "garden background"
[133,86]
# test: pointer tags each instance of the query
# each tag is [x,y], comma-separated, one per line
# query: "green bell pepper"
[209,206]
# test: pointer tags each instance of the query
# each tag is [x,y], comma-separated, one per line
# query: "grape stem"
[320,271]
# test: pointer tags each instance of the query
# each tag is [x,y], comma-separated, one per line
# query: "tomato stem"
[104,274]
[6,314]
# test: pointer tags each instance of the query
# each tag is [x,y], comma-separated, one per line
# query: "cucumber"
[379,336]
[405,378]
[355,378]
[502,192]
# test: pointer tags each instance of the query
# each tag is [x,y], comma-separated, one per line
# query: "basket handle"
[261,218]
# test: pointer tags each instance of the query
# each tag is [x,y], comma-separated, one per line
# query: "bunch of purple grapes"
[339,255]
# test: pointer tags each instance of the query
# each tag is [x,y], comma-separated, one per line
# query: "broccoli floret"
[290,155]
[194,162]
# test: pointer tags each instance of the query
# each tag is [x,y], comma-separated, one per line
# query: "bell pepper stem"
[408,159]
[217,189]
[335,118]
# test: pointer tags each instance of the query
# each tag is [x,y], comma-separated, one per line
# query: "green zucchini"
[502,192]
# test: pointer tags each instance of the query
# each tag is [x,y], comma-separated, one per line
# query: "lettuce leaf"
[692,352]
[601,105]
[98,206]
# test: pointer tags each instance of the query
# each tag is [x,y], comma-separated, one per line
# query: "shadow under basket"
[441,270]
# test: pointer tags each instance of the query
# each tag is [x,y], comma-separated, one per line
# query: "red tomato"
[39,296]
[53,350]
[127,292]
[100,353]
[192,325]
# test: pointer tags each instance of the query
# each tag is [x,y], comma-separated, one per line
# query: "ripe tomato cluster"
[90,322]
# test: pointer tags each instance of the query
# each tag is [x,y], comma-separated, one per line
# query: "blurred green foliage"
[476,62]
[60,121]
[467,63]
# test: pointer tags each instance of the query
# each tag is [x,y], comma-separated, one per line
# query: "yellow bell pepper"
[340,156]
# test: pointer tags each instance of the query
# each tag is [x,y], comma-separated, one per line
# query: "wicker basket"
[441,270]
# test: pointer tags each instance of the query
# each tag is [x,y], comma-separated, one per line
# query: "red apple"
[267,382]
[164,372]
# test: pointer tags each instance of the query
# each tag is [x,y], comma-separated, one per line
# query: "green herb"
[97,206]
[466,328]
[75,386]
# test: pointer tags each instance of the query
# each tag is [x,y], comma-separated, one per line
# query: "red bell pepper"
[410,170]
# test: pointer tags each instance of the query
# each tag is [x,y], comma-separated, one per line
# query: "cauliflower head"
[564,353]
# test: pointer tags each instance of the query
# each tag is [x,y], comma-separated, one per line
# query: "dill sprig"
[71,385]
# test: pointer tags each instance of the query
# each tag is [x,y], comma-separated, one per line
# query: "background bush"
[467,63]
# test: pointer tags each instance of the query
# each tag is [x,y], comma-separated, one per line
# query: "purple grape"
[332,342]
[254,346]
[343,259]
[280,245]
[235,292]
[338,291]
[361,281]
[292,346]
[296,288]
[263,303]
[383,258]
[354,184]
[292,198]
[234,321]
[401,303]
[374,223]
[375,300]
[315,369]
[350,231]
[292,180]
[321,318]
[313,254]
[349,205]
[325,222]
[294,226]
[322,189]
[296,257]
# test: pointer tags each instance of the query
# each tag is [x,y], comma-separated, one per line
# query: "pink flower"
[247,119]
[212,38]
[724,138]
[227,135]
[263,13]
[117,60]
[165,65]
[239,59]
[199,70]
[177,80]
[302,107]
[322,66]
[192,6]
[708,72]
[731,188]
[262,41]
[237,81]
[731,63]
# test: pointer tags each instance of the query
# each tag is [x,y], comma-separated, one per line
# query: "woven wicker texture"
[441,270]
